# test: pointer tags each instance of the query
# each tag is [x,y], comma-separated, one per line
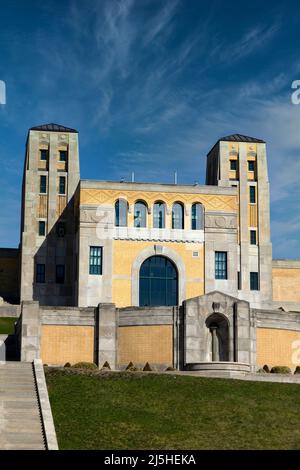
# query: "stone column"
[107,335]
[214,343]
[30,331]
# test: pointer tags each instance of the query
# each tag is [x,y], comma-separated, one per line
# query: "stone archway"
[218,343]
[147,253]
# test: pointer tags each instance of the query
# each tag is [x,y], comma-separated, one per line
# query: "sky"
[151,85]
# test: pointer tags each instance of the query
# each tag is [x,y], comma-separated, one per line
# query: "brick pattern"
[286,284]
[61,344]
[275,347]
[141,344]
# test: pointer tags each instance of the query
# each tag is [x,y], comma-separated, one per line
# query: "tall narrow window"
[62,185]
[60,274]
[239,284]
[253,237]
[42,228]
[95,260]
[197,216]
[252,194]
[43,184]
[251,165]
[44,154]
[40,274]
[159,215]
[140,214]
[254,283]
[177,216]
[121,208]
[221,265]
[63,154]
[233,165]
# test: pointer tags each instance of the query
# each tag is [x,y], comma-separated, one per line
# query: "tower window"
[62,185]
[252,194]
[42,228]
[96,260]
[43,184]
[177,216]
[221,265]
[159,215]
[254,285]
[40,274]
[140,214]
[121,209]
[233,165]
[239,284]
[253,237]
[251,165]
[60,274]
[63,154]
[44,153]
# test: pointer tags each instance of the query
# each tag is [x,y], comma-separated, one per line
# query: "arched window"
[158,282]
[140,214]
[121,209]
[177,216]
[159,215]
[197,216]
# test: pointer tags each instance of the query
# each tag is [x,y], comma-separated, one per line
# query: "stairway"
[20,419]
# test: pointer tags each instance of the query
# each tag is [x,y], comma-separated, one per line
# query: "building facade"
[152,246]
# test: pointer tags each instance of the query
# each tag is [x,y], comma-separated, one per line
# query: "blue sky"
[151,85]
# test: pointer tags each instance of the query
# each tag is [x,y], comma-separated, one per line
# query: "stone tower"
[51,176]
[240,161]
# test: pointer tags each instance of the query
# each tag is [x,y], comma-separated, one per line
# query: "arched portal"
[158,282]
[219,337]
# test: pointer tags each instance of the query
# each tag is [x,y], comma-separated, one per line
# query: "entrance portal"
[158,282]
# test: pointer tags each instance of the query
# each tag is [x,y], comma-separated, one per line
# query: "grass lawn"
[7,325]
[163,411]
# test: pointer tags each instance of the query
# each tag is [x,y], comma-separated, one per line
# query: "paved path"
[20,420]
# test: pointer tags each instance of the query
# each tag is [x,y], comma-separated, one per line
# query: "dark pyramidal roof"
[52,128]
[240,138]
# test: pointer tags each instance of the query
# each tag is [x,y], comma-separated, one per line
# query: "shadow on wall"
[9,275]
[55,262]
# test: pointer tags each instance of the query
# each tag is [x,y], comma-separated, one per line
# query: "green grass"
[7,325]
[164,411]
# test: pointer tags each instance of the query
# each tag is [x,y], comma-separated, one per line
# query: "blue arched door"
[158,282]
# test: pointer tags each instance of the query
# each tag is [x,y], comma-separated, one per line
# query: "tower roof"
[240,138]
[52,128]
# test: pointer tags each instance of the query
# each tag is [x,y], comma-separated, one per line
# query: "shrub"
[297,370]
[261,371]
[85,365]
[131,367]
[67,364]
[281,370]
[266,368]
[106,366]
[170,368]
[147,367]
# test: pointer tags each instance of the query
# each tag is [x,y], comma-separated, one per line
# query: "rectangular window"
[60,274]
[239,280]
[254,281]
[253,237]
[251,165]
[44,154]
[43,184]
[221,265]
[62,185]
[63,155]
[233,165]
[252,194]
[42,228]
[96,260]
[40,274]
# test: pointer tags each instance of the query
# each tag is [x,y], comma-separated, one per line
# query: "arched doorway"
[219,337]
[158,282]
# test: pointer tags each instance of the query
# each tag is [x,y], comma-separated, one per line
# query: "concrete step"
[20,420]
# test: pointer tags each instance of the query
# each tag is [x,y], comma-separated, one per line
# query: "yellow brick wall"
[125,252]
[8,277]
[61,344]
[141,344]
[286,282]
[274,347]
